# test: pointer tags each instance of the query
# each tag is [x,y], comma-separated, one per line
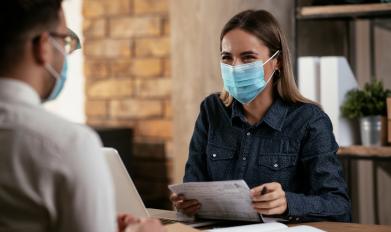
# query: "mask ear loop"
[58,46]
[271,76]
[277,52]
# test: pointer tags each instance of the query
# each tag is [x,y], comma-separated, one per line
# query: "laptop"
[128,199]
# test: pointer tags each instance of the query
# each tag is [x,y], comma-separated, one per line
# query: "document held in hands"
[223,200]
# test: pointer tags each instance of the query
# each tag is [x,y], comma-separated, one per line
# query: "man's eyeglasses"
[71,40]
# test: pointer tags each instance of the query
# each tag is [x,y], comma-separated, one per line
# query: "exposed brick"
[157,47]
[125,27]
[108,48]
[135,108]
[93,8]
[155,128]
[168,109]
[110,122]
[117,7]
[121,68]
[127,65]
[160,87]
[151,6]
[169,149]
[166,27]
[96,108]
[96,69]
[167,68]
[108,89]
[148,67]
[94,28]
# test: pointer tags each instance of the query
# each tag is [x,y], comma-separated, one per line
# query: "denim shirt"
[293,145]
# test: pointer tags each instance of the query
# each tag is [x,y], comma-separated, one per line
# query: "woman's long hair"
[265,27]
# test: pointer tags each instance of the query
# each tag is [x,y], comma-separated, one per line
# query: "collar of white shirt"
[17,91]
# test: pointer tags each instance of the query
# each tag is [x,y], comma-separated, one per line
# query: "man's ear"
[41,49]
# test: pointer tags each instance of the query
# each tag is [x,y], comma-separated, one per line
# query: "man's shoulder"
[53,130]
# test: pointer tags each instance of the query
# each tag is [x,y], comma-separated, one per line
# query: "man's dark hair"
[19,21]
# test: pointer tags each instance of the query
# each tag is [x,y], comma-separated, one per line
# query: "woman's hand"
[185,206]
[269,199]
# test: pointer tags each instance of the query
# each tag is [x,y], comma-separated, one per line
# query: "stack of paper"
[267,227]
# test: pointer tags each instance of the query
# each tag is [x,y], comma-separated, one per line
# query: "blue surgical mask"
[60,77]
[246,81]
[60,82]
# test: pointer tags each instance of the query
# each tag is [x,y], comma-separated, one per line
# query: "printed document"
[225,200]
[268,227]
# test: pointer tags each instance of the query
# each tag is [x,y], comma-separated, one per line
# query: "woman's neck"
[256,110]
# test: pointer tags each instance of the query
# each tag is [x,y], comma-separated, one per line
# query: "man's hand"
[123,220]
[185,206]
[146,225]
[269,199]
[129,223]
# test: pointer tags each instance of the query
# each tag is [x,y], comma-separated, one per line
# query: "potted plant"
[370,107]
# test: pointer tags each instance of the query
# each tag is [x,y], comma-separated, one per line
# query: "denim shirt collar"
[274,117]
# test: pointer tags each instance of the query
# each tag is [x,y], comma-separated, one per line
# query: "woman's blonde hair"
[265,27]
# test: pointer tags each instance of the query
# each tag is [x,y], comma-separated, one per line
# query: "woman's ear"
[277,62]
[41,49]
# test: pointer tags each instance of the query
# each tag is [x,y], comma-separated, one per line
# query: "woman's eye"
[225,58]
[247,59]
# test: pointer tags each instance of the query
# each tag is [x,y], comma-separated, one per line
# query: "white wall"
[70,104]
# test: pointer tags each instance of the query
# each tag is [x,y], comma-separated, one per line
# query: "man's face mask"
[72,43]
[246,81]
[60,77]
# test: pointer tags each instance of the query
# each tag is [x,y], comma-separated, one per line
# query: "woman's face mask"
[245,82]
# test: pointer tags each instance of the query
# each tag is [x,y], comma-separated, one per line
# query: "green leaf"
[371,100]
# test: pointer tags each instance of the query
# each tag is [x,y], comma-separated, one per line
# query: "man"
[53,176]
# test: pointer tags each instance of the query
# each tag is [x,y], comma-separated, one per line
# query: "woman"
[262,130]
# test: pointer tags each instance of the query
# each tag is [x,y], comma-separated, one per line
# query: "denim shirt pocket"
[220,161]
[277,162]
[281,168]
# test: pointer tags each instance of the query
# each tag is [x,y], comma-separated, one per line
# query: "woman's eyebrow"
[248,53]
[225,53]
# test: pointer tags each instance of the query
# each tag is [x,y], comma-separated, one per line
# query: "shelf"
[365,151]
[344,11]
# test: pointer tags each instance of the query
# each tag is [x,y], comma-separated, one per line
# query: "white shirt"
[53,176]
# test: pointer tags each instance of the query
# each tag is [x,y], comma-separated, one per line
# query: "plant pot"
[373,130]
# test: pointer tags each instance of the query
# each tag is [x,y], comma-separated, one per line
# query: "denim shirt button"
[214,155]
[248,134]
[244,158]
[275,165]
[297,219]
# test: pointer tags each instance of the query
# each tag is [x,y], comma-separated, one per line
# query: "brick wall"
[128,83]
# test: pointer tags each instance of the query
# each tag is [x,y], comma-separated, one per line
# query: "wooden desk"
[347,227]
[372,153]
